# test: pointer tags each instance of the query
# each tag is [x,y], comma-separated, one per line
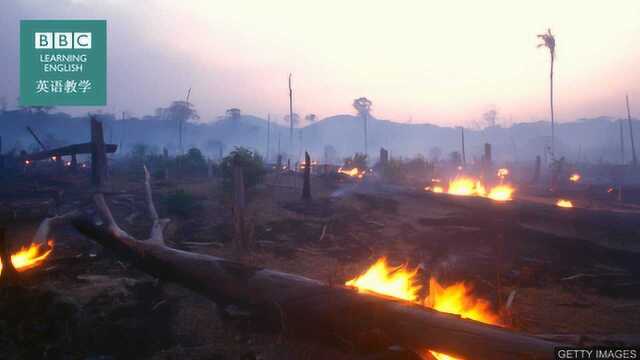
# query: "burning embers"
[564,203]
[574,178]
[29,257]
[402,283]
[469,186]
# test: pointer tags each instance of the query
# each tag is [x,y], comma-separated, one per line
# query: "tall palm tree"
[363,107]
[549,41]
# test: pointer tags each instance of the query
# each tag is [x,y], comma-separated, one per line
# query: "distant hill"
[592,140]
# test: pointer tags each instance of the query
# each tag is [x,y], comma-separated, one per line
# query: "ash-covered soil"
[85,303]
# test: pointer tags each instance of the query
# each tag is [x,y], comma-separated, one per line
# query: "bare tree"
[549,41]
[363,107]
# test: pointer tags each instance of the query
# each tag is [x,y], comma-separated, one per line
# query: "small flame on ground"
[29,257]
[501,193]
[574,177]
[564,203]
[354,172]
[401,282]
[467,186]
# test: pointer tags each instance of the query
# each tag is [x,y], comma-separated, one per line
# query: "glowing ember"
[401,282]
[574,178]
[501,193]
[30,257]
[564,203]
[503,172]
[437,189]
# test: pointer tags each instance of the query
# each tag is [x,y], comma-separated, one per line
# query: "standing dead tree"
[98,155]
[306,184]
[290,115]
[464,154]
[633,145]
[549,41]
[363,107]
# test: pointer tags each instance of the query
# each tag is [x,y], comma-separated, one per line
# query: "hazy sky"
[443,62]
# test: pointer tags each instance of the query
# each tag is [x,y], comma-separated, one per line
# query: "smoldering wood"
[294,302]
[9,274]
[577,223]
[299,302]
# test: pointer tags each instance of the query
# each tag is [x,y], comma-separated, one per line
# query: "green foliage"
[251,163]
[180,203]
[192,162]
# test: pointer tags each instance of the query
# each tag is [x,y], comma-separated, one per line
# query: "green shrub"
[180,203]
[251,163]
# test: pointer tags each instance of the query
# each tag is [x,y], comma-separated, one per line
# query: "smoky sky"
[424,61]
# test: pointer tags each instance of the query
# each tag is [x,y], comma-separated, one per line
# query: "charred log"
[305,306]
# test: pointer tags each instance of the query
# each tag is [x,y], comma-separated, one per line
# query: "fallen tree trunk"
[305,306]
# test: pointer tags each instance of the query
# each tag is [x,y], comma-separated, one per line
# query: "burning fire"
[466,186]
[401,282]
[574,177]
[501,193]
[564,203]
[353,172]
[30,257]
[503,172]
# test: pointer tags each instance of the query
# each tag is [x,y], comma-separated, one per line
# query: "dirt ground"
[86,303]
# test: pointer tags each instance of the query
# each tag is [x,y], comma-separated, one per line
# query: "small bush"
[180,203]
[251,163]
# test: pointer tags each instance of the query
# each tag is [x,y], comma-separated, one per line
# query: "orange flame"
[401,282]
[564,203]
[467,186]
[351,172]
[29,257]
[501,193]
[574,177]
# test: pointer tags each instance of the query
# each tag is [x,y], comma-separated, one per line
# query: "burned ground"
[86,303]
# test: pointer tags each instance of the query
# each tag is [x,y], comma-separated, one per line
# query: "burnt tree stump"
[306,184]
[98,155]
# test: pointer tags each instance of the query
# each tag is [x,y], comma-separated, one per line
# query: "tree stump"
[306,185]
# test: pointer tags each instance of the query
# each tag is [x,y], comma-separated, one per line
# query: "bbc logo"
[63,40]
